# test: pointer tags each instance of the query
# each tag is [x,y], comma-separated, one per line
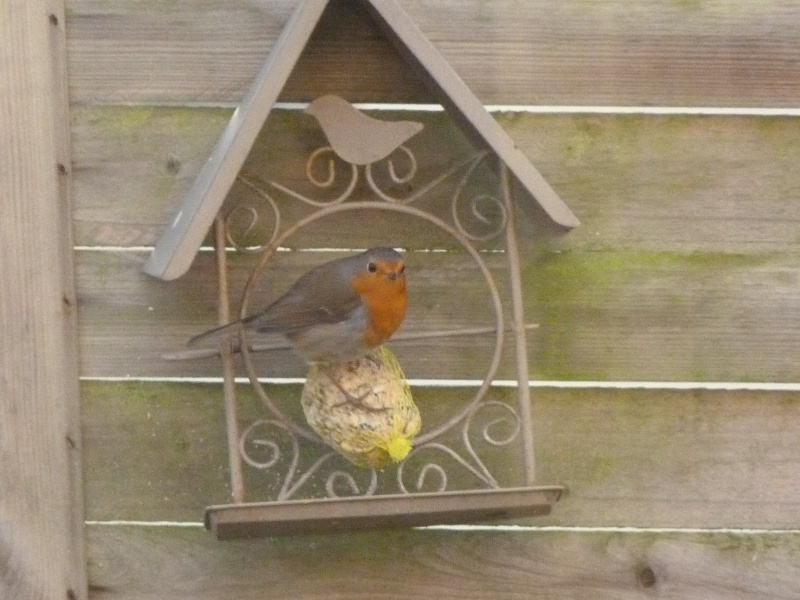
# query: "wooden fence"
[684,273]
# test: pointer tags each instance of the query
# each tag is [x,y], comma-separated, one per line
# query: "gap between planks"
[502,528]
[731,386]
[588,110]
[231,249]
[739,111]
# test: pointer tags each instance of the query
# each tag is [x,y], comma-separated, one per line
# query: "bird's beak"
[395,275]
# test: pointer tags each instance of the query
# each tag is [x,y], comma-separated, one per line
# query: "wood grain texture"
[674,184]
[685,268]
[568,53]
[118,302]
[131,563]
[602,316]
[41,517]
[664,317]
[684,459]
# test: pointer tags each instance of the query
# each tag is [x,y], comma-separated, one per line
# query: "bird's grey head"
[383,253]
[383,260]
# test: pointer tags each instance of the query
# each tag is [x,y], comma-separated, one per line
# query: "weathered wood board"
[685,268]
[569,53]
[129,562]
[41,509]
[601,316]
[687,223]
[641,458]
[670,183]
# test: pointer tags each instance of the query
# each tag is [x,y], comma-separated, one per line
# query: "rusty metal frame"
[289,513]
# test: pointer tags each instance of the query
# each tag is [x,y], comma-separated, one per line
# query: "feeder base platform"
[261,519]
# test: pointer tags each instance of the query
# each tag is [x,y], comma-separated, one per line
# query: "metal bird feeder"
[359,172]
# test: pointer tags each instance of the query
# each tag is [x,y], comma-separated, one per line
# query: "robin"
[337,311]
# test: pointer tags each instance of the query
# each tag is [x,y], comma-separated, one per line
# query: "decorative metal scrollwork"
[233,233]
[469,460]
[252,443]
[273,444]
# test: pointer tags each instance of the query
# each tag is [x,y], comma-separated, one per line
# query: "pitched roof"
[178,246]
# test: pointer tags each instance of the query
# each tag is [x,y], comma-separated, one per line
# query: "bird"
[338,311]
[355,137]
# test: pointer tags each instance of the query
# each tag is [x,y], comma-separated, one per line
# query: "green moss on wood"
[625,293]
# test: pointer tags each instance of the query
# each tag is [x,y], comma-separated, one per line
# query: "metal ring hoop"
[269,251]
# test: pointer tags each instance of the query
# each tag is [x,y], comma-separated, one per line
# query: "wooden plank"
[132,166]
[129,562]
[675,184]
[119,302]
[41,516]
[610,53]
[664,317]
[602,316]
[640,458]
[158,152]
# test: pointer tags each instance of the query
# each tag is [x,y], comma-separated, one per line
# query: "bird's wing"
[291,312]
[316,298]
[323,295]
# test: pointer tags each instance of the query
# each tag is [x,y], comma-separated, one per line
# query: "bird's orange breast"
[386,302]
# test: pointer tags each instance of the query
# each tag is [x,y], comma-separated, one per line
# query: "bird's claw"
[373,358]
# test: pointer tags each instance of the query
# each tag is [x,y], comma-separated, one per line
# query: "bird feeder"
[363,153]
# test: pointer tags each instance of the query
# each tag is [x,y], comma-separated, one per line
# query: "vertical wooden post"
[41,508]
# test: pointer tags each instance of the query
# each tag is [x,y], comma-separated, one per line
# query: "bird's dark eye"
[372,267]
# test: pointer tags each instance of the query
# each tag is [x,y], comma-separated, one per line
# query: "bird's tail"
[217,332]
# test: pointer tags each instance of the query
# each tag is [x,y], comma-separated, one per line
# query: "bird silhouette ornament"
[355,137]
